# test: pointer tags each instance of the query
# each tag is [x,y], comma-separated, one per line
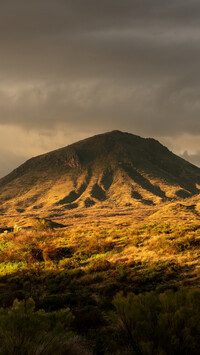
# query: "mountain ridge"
[113,168]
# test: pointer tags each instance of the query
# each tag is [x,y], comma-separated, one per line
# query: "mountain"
[111,169]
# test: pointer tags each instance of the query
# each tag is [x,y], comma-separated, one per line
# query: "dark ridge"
[81,189]
[71,206]
[183,194]
[143,182]
[73,195]
[147,202]
[36,207]
[136,195]
[107,179]
[98,193]
[20,210]
[89,202]
[68,199]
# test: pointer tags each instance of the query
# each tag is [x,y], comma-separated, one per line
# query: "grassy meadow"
[100,289]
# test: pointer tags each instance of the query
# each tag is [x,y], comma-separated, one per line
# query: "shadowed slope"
[114,168]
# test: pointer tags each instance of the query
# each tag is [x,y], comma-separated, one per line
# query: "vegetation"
[153,323]
[23,330]
[86,289]
[98,280]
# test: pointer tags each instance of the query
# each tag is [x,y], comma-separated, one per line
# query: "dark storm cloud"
[131,65]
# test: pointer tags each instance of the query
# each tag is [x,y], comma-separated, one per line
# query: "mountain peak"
[113,168]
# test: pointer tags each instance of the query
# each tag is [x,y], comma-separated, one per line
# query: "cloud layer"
[83,67]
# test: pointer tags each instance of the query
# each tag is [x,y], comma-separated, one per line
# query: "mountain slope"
[112,169]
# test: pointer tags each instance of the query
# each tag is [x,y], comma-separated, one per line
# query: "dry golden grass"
[103,241]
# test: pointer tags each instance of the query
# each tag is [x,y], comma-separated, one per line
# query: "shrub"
[26,331]
[151,323]
[43,225]
[99,265]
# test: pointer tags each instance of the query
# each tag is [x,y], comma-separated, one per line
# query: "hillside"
[111,253]
[114,169]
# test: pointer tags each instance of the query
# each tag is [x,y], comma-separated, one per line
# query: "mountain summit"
[112,169]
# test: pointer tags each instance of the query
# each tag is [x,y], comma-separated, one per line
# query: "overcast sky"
[73,68]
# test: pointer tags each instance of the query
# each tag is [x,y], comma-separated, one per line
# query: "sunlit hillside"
[99,251]
[109,170]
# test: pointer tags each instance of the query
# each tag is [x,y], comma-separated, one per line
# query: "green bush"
[43,225]
[24,331]
[151,323]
